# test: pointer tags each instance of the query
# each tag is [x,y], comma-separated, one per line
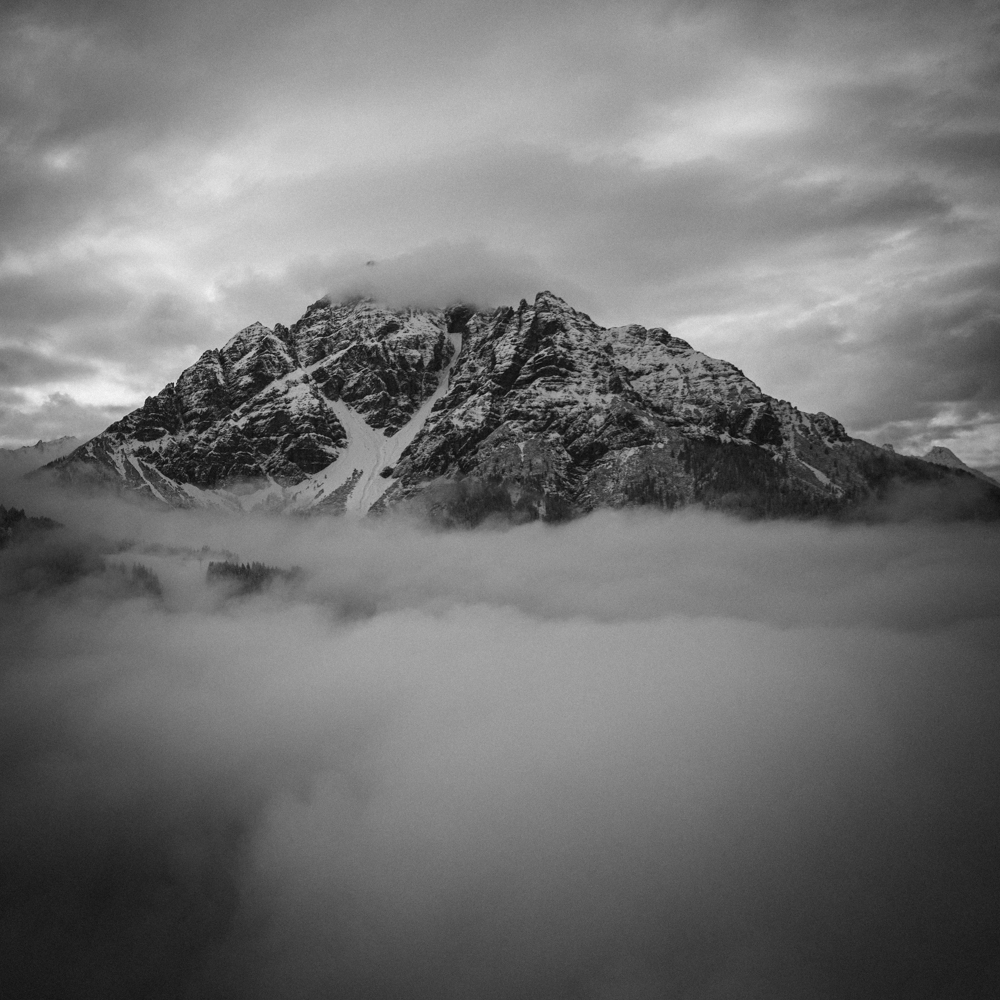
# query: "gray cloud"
[628,757]
[59,415]
[59,294]
[930,344]
[24,366]
[734,172]
[442,274]
[621,224]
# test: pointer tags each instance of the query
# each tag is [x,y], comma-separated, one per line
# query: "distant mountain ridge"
[946,457]
[527,412]
[34,456]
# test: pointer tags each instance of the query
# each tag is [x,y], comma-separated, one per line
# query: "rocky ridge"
[17,461]
[946,457]
[526,412]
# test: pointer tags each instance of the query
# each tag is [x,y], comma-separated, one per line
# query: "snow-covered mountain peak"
[534,411]
[244,341]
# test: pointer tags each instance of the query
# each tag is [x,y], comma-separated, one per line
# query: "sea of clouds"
[639,755]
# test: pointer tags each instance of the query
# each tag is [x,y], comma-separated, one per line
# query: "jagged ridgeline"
[523,413]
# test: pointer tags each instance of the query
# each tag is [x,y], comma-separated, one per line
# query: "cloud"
[916,363]
[745,175]
[58,415]
[627,757]
[80,330]
[440,275]
[24,366]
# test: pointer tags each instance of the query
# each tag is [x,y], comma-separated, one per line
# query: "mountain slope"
[18,461]
[946,457]
[529,412]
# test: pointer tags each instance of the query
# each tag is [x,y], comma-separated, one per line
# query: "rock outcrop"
[16,462]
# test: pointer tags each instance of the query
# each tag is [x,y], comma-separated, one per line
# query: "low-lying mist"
[634,756]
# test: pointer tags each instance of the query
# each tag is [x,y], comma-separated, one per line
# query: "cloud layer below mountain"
[633,756]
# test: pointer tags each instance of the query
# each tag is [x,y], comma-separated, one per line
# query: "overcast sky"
[807,190]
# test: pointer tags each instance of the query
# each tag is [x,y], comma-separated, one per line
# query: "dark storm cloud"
[632,757]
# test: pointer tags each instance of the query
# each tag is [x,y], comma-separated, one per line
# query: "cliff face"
[529,412]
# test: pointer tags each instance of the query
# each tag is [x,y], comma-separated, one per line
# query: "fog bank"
[633,756]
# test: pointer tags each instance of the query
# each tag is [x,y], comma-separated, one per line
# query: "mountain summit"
[526,412]
[945,456]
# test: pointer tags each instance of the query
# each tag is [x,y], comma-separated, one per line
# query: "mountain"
[947,458]
[18,461]
[526,412]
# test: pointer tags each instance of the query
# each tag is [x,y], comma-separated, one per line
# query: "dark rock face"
[522,413]
[259,408]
